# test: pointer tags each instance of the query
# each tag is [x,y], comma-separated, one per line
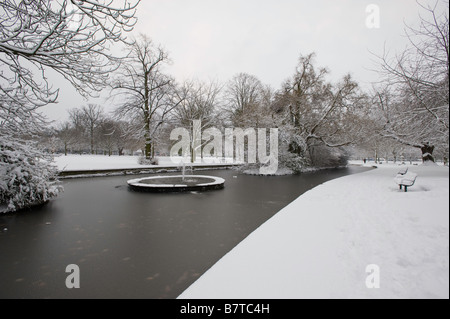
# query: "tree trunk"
[148,138]
[147,115]
[427,152]
[148,148]
[193,155]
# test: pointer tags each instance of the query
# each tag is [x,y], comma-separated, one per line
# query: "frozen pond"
[137,245]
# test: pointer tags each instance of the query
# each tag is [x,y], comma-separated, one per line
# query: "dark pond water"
[137,245]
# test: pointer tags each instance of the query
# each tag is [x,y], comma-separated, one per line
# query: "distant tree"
[80,142]
[414,96]
[123,136]
[145,93]
[243,95]
[113,135]
[86,122]
[92,117]
[198,102]
[66,135]
[105,137]
[317,114]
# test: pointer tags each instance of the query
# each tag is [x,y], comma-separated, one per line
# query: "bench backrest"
[410,176]
[408,179]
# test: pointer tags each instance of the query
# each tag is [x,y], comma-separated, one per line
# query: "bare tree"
[92,117]
[145,93]
[198,102]
[66,135]
[243,95]
[122,136]
[107,135]
[78,130]
[316,113]
[69,37]
[114,135]
[86,122]
[415,94]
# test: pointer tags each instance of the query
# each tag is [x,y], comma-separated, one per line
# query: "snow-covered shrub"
[144,161]
[291,151]
[293,162]
[27,175]
[297,155]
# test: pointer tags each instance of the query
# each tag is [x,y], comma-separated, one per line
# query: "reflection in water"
[136,245]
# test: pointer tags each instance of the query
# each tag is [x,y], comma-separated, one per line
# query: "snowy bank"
[95,162]
[100,162]
[320,245]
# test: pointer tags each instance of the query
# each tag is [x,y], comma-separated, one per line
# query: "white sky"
[215,39]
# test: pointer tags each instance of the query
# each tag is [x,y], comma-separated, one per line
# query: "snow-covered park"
[300,109]
[321,244]
[95,162]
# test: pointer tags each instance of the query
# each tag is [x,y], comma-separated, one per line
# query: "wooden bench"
[403,170]
[406,180]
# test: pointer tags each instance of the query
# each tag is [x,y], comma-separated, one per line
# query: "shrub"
[144,161]
[27,175]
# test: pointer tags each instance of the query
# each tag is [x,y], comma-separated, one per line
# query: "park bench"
[403,170]
[405,180]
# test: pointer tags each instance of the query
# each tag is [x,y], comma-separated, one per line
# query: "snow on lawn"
[101,162]
[320,245]
[96,162]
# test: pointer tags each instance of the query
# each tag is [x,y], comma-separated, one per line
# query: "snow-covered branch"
[70,37]
[414,97]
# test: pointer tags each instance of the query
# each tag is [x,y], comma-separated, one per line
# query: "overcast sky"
[215,39]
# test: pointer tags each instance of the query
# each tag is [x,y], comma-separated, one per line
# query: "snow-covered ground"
[95,162]
[101,162]
[320,245]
